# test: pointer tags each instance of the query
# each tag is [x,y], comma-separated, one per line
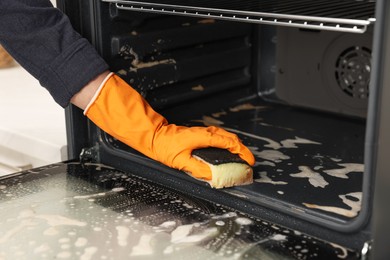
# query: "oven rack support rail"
[341,16]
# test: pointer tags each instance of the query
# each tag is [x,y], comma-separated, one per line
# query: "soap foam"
[123,233]
[265,179]
[315,178]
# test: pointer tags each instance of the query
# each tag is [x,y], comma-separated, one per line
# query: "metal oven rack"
[332,15]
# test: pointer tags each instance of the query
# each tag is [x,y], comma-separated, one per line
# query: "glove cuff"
[97,92]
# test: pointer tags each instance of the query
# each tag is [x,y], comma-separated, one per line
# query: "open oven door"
[91,211]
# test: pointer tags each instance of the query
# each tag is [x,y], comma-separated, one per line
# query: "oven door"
[87,210]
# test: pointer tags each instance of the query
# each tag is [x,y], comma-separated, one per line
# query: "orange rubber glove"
[122,112]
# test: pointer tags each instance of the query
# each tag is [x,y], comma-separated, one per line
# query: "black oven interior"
[296,95]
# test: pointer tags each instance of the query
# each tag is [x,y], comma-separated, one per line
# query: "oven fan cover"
[347,68]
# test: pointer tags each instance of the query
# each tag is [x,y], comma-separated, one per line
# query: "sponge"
[227,169]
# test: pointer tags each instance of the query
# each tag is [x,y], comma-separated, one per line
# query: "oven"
[302,83]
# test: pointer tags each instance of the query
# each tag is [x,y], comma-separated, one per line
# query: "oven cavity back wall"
[170,60]
[327,71]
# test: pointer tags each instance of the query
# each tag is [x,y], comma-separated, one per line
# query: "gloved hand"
[121,112]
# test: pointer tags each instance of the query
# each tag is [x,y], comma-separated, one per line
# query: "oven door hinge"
[366,250]
[89,154]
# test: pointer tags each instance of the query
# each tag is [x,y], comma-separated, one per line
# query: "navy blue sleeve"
[42,40]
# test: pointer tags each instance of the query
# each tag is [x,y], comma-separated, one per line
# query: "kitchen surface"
[32,125]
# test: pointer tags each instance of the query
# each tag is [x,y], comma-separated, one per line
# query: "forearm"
[82,98]
[42,40]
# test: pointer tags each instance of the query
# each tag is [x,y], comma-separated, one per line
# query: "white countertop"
[32,125]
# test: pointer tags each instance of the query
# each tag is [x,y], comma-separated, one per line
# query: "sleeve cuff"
[97,92]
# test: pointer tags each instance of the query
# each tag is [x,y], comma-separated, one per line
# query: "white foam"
[27,220]
[168,250]
[210,121]
[226,215]
[218,114]
[64,255]
[288,143]
[65,246]
[315,178]
[88,253]
[51,231]
[168,224]
[100,194]
[81,242]
[266,163]
[291,143]
[265,179]
[181,232]
[144,246]
[279,237]
[275,237]
[347,168]
[118,189]
[246,106]
[344,252]
[27,213]
[58,220]
[220,223]
[63,240]
[123,233]
[355,205]
[243,221]
[271,143]
[15,230]
[196,238]
[271,155]
[42,248]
